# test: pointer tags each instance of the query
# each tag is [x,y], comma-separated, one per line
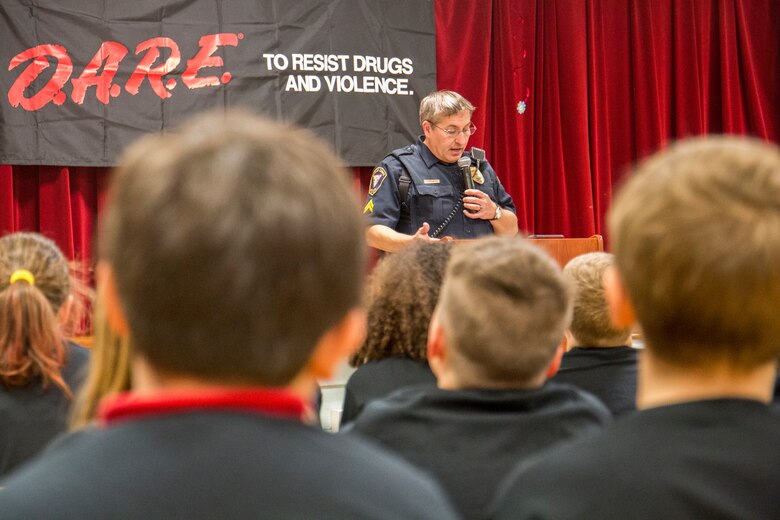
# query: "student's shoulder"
[404,399]
[569,397]
[368,371]
[52,476]
[369,470]
[76,353]
[392,368]
[75,371]
[303,458]
[558,483]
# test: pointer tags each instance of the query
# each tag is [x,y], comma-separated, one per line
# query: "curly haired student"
[401,296]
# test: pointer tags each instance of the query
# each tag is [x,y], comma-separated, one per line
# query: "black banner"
[80,79]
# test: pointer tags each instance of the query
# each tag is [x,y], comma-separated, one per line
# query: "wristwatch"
[498,213]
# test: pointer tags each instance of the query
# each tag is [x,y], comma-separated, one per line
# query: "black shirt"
[713,459]
[31,416]
[380,378]
[608,373]
[234,454]
[470,439]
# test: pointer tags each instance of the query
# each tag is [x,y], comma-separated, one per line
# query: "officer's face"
[447,148]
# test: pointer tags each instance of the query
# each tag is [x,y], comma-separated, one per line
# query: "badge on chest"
[477,176]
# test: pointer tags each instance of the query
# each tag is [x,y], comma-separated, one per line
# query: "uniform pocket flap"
[433,190]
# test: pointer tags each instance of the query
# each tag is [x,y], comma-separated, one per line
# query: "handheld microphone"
[464,163]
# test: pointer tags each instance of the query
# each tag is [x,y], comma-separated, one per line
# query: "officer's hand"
[478,205]
[422,233]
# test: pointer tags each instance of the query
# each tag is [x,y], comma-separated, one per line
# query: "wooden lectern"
[564,249]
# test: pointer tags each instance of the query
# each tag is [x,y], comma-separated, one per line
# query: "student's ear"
[621,310]
[115,313]
[437,346]
[437,349]
[568,341]
[555,364]
[337,344]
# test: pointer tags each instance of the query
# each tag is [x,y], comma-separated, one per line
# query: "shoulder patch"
[378,176]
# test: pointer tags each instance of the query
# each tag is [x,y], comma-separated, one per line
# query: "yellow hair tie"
[23,274]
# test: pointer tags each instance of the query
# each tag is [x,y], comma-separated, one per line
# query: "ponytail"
[32,344]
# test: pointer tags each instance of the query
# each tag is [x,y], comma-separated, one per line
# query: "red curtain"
[604,83]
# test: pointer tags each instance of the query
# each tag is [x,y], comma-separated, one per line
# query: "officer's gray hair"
[443,103]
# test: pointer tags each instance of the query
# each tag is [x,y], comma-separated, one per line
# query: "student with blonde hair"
[599,357]
[108,372]
[696,238]
[39,368]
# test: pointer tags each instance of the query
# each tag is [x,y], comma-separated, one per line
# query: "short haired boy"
[494,339]
[599,357]
[696,236]
[233,255]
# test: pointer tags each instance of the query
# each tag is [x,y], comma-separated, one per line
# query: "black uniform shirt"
[703,459]
[470,439]
[433,195]
[31,416]
[216,453]
[381,378]
[608,373]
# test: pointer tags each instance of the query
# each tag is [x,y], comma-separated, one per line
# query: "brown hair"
[31,340]
[443,103]
[696,236]
[590,323]
[504,308]
[401,295]
[109,370]
[235,244]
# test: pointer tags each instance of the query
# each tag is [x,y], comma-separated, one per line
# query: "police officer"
[437,203]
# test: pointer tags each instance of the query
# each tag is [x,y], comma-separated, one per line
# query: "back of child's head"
[504,308]
[401,296]
[590,323]
[696,235]
[235,244]
[34,285]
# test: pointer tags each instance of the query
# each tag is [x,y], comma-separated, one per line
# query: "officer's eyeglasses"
[452,132]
